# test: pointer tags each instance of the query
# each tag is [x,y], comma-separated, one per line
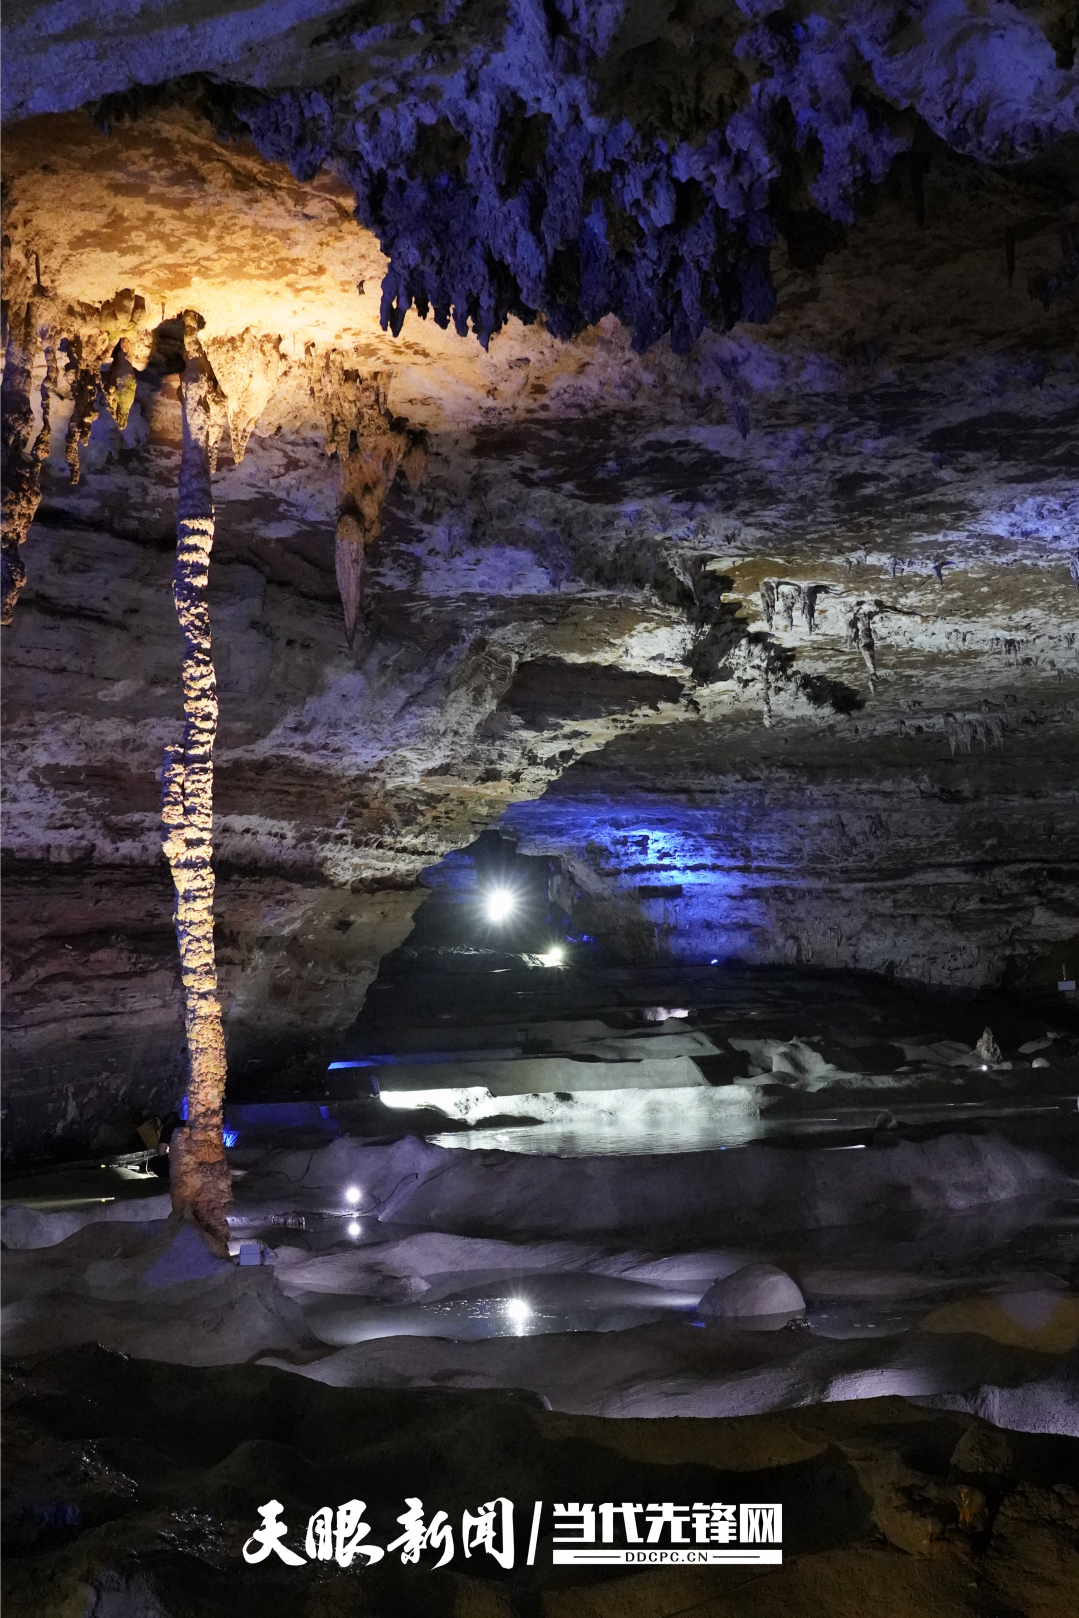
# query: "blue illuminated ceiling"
[578,160]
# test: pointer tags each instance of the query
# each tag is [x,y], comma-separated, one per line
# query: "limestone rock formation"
[197,1169]
[867,1470]
[367,445]
[988,1049]
[739,584]
[756,1292]
[23,450]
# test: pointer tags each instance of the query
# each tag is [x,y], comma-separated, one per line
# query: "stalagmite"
[198,1171]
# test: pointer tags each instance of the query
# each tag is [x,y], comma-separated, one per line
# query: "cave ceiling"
[726,550]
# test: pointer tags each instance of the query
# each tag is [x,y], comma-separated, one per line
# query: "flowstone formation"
[714,533]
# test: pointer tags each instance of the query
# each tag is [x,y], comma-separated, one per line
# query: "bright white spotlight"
[353,1194]
[555,956]
[354,1228]
[500,903]
[518,1311]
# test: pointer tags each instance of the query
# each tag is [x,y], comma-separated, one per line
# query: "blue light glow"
[230,1137]
[704,876]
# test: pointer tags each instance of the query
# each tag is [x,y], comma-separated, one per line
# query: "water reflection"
[660,1123]
[524,1306]
[600,1137]
[570,1303]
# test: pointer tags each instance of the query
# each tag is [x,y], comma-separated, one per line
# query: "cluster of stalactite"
[369,446]
[100,349]
[22,449]
[643,160]
[226,385]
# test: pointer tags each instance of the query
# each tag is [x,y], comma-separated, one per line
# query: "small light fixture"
[500,904]
[555,956]
[353,1194]
[518,1311]
[354,1228]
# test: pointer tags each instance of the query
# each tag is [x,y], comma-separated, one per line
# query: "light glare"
[353,1194]
[518,1310]
[354,1228]
[500,903]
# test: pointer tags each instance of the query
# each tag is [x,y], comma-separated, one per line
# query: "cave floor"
[535,1317]
[132,1486]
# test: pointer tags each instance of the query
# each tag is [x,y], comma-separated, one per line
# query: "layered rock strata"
[789,617]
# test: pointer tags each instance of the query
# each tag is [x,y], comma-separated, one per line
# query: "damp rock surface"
[152,1290]
[754,1292]
[149,1523]
[633,1286]
[413,1182]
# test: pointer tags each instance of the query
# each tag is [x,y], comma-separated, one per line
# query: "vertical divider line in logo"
[533,1538]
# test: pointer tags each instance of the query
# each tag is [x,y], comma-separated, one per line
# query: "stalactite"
[370,445]
[118,387]
[247,367]
[783,595]
[198,1170]
[105,348]
[860,635]
[83,413]
[21,460]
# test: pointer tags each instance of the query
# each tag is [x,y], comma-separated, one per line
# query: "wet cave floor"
[574,1237]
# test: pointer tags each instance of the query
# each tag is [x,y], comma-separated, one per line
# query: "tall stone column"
[198,1170]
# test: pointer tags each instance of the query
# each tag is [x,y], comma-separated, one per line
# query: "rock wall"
[882,853]
[779,613]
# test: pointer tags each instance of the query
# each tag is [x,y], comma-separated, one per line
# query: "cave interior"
[540,805]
